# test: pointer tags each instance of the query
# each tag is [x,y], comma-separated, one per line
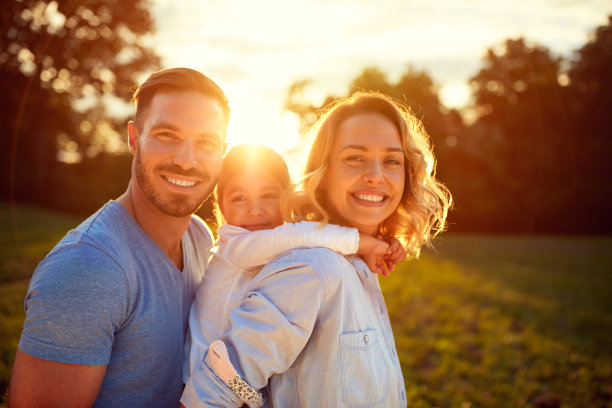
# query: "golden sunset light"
[257,50]
[321,203]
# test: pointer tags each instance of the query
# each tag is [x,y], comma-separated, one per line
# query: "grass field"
[486,321]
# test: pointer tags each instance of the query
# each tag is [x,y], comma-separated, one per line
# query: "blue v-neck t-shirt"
[108,295]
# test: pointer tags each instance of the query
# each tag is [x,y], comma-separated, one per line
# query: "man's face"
[177,148]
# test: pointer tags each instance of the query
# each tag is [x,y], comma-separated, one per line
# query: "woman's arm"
[248,249]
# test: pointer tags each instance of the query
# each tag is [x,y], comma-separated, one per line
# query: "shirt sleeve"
[248,249]
[268,331]
[78,297]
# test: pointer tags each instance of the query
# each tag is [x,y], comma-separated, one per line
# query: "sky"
[255,49]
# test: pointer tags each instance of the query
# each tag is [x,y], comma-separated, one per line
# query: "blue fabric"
[108,295]
[313,329]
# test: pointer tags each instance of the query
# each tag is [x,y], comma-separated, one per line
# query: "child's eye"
[271,196]
[237,199]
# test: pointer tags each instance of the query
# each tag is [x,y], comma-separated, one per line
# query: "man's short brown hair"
[176,80]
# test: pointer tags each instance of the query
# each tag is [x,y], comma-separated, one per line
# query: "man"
[106,310]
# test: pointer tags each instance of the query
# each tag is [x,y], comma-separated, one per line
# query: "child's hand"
[395,254]
[374,252]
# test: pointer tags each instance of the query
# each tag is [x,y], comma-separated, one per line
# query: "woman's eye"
[354,159]
[394,162]
[237,199]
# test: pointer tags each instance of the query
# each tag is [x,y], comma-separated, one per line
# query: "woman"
[309,331]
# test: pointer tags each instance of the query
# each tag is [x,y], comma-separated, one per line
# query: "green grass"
[26,235]
[494,321]
[486,321]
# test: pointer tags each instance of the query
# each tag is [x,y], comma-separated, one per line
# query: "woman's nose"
[374,172]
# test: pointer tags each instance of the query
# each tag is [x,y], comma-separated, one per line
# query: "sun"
[254,120]
[455,95]
[257,121]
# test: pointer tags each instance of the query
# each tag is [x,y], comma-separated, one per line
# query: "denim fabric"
[313,331]
[236,259]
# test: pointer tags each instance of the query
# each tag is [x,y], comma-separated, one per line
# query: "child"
[251,233]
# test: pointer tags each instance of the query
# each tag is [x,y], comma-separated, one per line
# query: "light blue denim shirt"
[314,331]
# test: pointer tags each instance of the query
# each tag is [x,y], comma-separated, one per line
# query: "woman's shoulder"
[323,261]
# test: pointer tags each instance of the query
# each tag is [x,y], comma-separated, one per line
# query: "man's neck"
[166,231]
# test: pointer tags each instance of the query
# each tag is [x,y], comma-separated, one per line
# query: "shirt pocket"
[365,381]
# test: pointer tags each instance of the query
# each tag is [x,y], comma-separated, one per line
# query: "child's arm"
[248,249]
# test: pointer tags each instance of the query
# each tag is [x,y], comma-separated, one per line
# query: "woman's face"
[365,178]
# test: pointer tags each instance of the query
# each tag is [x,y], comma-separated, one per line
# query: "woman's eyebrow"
[365,149]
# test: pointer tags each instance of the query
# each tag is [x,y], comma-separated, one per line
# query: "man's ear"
[132,137]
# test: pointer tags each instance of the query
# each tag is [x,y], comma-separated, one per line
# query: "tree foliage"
[61,63]
[535,158]
[526,141]
[590,96]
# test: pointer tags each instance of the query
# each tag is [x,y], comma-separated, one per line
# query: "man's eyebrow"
[165,125]
[365,149]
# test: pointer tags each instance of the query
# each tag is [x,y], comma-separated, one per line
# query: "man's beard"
[172,205]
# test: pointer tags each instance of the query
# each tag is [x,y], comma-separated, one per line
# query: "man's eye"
[209,143]
[167,136]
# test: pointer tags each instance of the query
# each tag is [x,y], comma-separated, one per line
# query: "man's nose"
[185,154]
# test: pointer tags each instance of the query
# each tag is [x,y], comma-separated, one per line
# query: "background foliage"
[61,65]
[530,152]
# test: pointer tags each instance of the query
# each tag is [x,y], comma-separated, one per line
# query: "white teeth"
[182,183]
[369,197]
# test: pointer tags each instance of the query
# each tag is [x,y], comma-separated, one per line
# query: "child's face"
[251,201]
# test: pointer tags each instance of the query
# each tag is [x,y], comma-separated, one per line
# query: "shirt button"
[366,339]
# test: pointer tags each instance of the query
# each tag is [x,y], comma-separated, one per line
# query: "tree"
[590,79]
[524,141]
[415,89]
[59,64]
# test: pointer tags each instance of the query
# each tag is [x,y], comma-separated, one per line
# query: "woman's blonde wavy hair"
[425,202]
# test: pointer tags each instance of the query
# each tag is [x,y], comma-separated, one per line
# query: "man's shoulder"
[107,235]
[105,222]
